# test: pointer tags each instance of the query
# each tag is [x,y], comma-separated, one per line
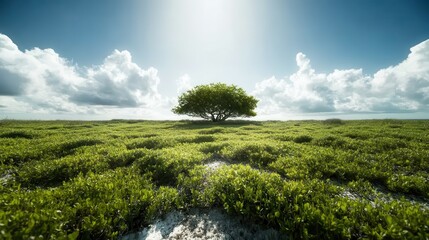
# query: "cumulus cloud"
[400,88]
[44,82]
[41,81]
[118,82]
[183,84]
[12,78]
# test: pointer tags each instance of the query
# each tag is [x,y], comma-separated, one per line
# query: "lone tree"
[216,102]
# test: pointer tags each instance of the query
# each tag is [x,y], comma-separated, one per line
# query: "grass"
[310,179]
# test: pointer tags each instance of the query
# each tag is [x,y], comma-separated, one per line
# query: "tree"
[216,102]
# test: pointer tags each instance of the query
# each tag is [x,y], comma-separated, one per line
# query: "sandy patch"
[4,179]
[214,165]
[350,195]
[203,224]
[385,197]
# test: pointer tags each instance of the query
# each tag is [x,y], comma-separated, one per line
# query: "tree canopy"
[216,102]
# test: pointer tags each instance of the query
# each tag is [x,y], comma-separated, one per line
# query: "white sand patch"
[5,178]
[214,165]
[350,195]
[203,225]
[385,197]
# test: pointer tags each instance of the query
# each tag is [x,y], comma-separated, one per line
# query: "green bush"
[151,143]
[212,130]
[330,141]
[101,180]
[54,172]
[302,139]
[333,121]
[256,153]
[165,165]
[17,134]
[196,139]
[214,148]
[96,206]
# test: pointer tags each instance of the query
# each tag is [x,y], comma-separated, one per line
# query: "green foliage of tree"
[216,102]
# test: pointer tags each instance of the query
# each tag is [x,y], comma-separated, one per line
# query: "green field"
[310,179]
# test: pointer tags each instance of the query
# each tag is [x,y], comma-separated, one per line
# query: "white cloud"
[118,82]
[44,82]
[405,85]
[40,81]
[183,84]
[400,88]
[12,77]
[303,91]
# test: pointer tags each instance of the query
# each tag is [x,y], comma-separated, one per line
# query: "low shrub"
[212,130]
[151,143]
[18,134]
[68,147]
[101,206]
[213,148]
[330,141]
[196,139]
[101,180]
[165,165]
[256,153]
[333,121]
[302,139]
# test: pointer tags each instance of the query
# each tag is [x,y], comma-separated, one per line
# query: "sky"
[302,59]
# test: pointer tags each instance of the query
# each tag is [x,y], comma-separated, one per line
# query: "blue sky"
[130,59]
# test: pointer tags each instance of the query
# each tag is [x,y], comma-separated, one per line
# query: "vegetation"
[216,102]
[310,179]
